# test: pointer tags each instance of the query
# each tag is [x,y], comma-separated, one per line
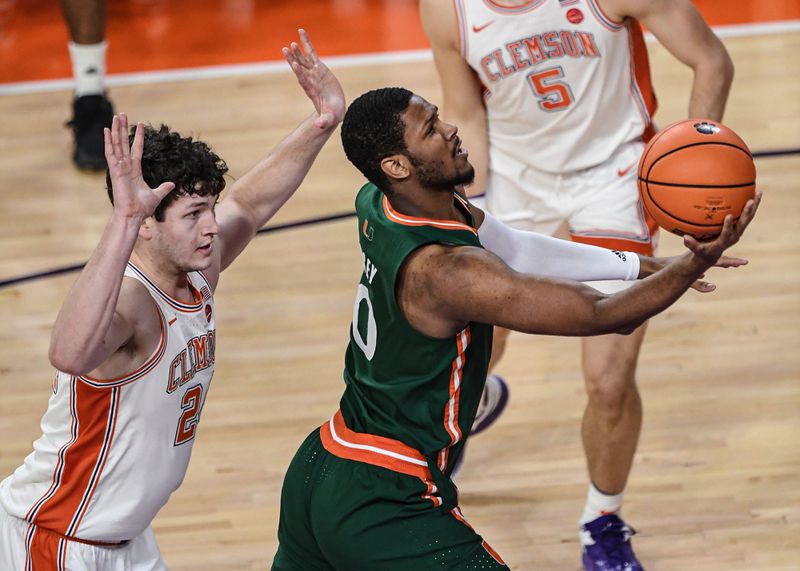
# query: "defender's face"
[435,147]
[187,235]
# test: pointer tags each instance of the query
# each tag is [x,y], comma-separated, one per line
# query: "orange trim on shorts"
[456,512]
[621,244]
[42,551]
[407,220]
[387,453]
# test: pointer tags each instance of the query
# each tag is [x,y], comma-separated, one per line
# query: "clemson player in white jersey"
[134,342]
[554,102]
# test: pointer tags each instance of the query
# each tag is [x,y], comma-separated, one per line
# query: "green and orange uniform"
[370,489]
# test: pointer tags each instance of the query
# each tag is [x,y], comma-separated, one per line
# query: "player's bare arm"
[90,328]
[461,88]
[681,29]
[258,194]
[464,284]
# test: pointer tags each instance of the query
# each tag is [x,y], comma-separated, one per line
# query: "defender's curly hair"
[373,129]
[168,157]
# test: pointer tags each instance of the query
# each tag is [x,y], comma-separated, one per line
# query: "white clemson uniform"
[569,103]
[112,451]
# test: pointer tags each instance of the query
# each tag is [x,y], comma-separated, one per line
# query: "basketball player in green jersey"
[370,489]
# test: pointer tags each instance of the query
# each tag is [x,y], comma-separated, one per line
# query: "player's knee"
[610,391]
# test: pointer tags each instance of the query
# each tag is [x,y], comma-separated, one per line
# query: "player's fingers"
[691,243]
[123,135]
[703,287]
[108,147]
[164,189]
[728,235]
[311,53]
[730,262]
[298,54]
[138,142]
[115,150]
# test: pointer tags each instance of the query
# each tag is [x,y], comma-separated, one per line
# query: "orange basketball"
[692,174]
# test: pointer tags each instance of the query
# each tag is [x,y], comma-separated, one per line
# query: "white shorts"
[26,547]
[599,205]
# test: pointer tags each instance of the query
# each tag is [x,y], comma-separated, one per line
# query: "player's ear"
[396,167]
[146,229]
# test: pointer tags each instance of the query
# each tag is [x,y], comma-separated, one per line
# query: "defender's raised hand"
[133,198]
[317,81]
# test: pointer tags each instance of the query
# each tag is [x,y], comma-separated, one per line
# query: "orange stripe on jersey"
[407,220]
[641,76]
[452,406]
[372,449]
[83,462]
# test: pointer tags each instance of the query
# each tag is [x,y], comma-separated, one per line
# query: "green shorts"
[359,502]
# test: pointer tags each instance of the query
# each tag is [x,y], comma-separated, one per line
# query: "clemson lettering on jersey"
[531,50]
[198,355]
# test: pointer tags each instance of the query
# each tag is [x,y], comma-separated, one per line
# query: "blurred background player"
[91,108]
[554,101]
[134,342]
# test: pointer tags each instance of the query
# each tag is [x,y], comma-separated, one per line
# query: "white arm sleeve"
[540,255]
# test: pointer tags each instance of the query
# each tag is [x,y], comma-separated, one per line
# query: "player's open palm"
[712,250]
[319,83]
[133,197]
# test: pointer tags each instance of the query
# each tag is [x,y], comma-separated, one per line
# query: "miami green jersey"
[403,384]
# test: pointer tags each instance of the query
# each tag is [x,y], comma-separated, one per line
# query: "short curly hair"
[373,129]
[168,157]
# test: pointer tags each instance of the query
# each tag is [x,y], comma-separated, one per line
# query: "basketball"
[694,173]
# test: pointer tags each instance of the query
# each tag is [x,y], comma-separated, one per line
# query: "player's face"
[188,233]
[434,148]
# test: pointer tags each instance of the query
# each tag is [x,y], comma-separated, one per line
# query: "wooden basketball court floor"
[716,481]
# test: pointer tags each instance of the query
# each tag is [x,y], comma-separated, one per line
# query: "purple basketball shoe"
[610,548]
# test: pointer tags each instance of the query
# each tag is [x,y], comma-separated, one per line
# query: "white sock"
[88,67]
[599,504]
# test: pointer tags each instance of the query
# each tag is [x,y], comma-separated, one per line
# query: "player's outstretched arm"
[488,291]
[89,327]
[259,193]
[545,256]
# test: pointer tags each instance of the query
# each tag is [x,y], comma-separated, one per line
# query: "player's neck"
[425,203]
[173,282]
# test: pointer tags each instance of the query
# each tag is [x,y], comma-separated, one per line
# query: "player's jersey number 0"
[366,345]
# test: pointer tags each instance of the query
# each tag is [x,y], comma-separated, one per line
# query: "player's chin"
[199,262]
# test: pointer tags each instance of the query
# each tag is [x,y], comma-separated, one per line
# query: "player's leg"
[610,215]
[91,109]
[297,546]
